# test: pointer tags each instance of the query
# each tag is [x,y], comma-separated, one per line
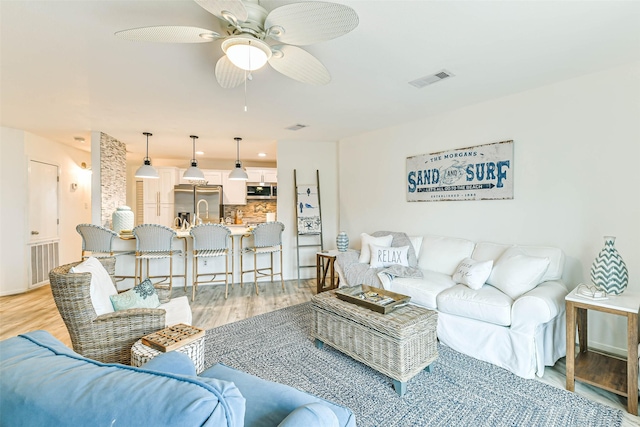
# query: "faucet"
[177,222]
[198,210]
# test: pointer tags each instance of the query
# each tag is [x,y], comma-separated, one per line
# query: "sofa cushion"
[45,383]
[172,362]
[416,242]
[486,304]
[142,295]
[311,414]
[177,311]
[485,251]
[425,290]
[263,408]
[101,287]
[385,256]
[366,240]
[473,273]
[443,254]
[516,273]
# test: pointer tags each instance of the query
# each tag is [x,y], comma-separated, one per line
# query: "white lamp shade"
[147,171]
[246,53]
[193,174]
[238,174]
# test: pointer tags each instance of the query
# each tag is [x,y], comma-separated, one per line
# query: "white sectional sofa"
[514,319]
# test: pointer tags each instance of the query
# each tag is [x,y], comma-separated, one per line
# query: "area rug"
[459,390]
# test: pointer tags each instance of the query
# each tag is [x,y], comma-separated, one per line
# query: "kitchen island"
[182,264]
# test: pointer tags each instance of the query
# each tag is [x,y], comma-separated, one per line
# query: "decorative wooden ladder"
[308,218]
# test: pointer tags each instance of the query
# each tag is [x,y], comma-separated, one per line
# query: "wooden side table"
[325,267]
[610,373]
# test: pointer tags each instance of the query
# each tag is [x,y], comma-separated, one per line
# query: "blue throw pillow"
[143,295]
[311,415]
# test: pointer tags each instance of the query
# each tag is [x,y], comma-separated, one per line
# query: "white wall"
[18,148]
[13,212]
[576,151]
[306,158]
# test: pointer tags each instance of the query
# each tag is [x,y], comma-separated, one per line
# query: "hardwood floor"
[36,310]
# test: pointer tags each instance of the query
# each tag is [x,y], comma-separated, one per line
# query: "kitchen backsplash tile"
[253,211]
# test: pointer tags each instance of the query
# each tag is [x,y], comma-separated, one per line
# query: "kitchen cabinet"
[233,192]
[256,174]
[160,190]
[213,177]
[158,197]
[161,213]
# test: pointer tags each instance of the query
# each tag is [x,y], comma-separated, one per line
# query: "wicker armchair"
[107,338]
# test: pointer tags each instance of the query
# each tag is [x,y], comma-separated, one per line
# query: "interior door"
[43,201]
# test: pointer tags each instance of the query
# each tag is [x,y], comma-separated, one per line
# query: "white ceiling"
[64,74]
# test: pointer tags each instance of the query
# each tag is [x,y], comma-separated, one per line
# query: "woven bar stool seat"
[267,239]
[155,242]
[97,242]
[211,241]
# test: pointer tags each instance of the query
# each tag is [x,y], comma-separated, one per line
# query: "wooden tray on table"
[173,337]
[376,299]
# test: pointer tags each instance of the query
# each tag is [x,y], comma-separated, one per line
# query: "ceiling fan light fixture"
[238,174]
[146,170]
[246,53]
[193,173]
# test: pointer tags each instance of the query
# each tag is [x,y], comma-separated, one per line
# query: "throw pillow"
[384,257]
[366,241]
[143,295]
[101,287]
[516,273]
[473,273]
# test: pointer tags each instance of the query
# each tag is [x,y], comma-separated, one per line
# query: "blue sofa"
[43,382]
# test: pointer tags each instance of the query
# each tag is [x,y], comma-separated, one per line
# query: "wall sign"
[483,172]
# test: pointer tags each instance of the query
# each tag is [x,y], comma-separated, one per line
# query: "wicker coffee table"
[398,344]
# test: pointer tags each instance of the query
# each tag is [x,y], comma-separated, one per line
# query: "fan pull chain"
[245,91]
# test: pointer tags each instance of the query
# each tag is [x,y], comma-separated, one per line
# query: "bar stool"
[154,241]
[210,241]
[97,242]
[267,239]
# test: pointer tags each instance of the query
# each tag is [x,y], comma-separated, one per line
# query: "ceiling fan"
[253,36]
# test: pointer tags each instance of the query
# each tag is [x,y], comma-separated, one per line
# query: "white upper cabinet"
[256,174]
[213,177]
[233,192]
[160,190]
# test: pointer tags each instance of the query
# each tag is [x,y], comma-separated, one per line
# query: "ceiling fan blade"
[310,22]
[298,64]
[222,9]
[169,34]
[227,74]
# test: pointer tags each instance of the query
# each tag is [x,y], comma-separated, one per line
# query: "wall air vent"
[297,127]
[433,78]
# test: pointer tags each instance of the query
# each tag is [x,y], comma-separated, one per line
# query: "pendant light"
[193,173]
[146,170]
[238,173]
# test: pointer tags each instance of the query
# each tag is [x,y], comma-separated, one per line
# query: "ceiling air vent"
[433,78]
[297,127]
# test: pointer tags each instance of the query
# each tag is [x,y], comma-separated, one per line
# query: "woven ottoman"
[398,344]
[141,354]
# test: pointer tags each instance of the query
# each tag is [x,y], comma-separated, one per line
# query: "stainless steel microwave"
[257,191]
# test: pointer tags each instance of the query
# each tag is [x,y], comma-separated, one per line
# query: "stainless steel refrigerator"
[202,200]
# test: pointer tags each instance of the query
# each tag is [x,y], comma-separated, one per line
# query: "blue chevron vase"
[608,271]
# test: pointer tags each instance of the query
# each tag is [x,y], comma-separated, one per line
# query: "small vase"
[342,241]
[608,271]
[122,219]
